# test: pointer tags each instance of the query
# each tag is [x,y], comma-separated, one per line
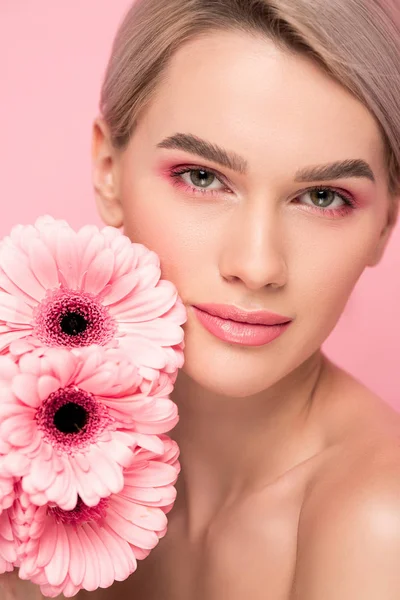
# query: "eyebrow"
[337,170]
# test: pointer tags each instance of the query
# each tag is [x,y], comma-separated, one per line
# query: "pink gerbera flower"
[72,415]
[59,287]
[8,545]
[91,547]
[12,466]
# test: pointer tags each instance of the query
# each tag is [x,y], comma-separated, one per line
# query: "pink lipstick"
[238,326]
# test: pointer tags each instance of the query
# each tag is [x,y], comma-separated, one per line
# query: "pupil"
[73,323]
[70,418]
[202,177]
[323,197]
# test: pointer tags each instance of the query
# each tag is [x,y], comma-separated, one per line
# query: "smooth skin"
[290,482]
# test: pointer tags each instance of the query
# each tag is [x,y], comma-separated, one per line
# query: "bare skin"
[290,480]
[258,545]
[287,461]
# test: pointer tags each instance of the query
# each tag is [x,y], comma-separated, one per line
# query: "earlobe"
[105,175]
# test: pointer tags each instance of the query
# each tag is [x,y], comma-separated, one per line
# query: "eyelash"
[350,203]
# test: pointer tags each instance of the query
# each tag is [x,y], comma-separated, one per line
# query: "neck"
[229,444]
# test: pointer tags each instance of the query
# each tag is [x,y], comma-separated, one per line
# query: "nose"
[252,250]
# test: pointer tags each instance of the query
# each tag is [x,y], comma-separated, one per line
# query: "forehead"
[244,93]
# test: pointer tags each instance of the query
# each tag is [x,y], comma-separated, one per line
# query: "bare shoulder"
[349,527]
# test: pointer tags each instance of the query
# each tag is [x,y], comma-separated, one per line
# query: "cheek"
[176,232]
[327,271]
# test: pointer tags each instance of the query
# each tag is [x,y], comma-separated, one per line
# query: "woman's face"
[261,237]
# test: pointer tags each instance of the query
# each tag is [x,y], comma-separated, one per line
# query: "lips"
[259,317]
[236,326]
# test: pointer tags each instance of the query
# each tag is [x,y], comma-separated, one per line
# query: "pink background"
[52,58]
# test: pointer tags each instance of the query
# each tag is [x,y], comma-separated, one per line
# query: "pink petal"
[92,571]
[146,256]
[96,382]
[77,562]
[42,470]
[16,267]
[24,386]
[47,544]
[20,436]
[124,559]
[43,264]
[143,352]
[46,385]
[130,532]
[6,339]
[12,425]
[88,486]
[14,309]
[155,474]
[162,331]
[6,531]
[148,495]
[100,271]
[150,442]
[106,570]
[107,470]
[39,499]
[120,289]
[149,518]
[30,363]
[112,234]
[36,529]
[8,368]
[149,276]
[118,448]
[82,461]
[8,286]
[8,553]
[14,464]
[67,256]
[57,491]
[56,570]
[90,247]
[63,365]
[68,589]
[148,304]
[18,347]
[125,260]
[140,553]
[88,363]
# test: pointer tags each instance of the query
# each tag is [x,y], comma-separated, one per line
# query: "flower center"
[80,514]
[72,318]
[73,323]
[71,419]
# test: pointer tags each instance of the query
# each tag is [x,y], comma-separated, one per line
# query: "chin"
[234,371]
[225,385]
[230,371]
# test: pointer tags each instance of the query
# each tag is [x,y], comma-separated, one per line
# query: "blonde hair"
[357,42]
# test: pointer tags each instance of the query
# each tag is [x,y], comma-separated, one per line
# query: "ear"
[386,232]
[105,175]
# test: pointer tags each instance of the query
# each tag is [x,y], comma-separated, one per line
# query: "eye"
[322,200]
[200,178]
[326,201]
[323,197]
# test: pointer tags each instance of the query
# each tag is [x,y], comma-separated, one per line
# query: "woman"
[254,145]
